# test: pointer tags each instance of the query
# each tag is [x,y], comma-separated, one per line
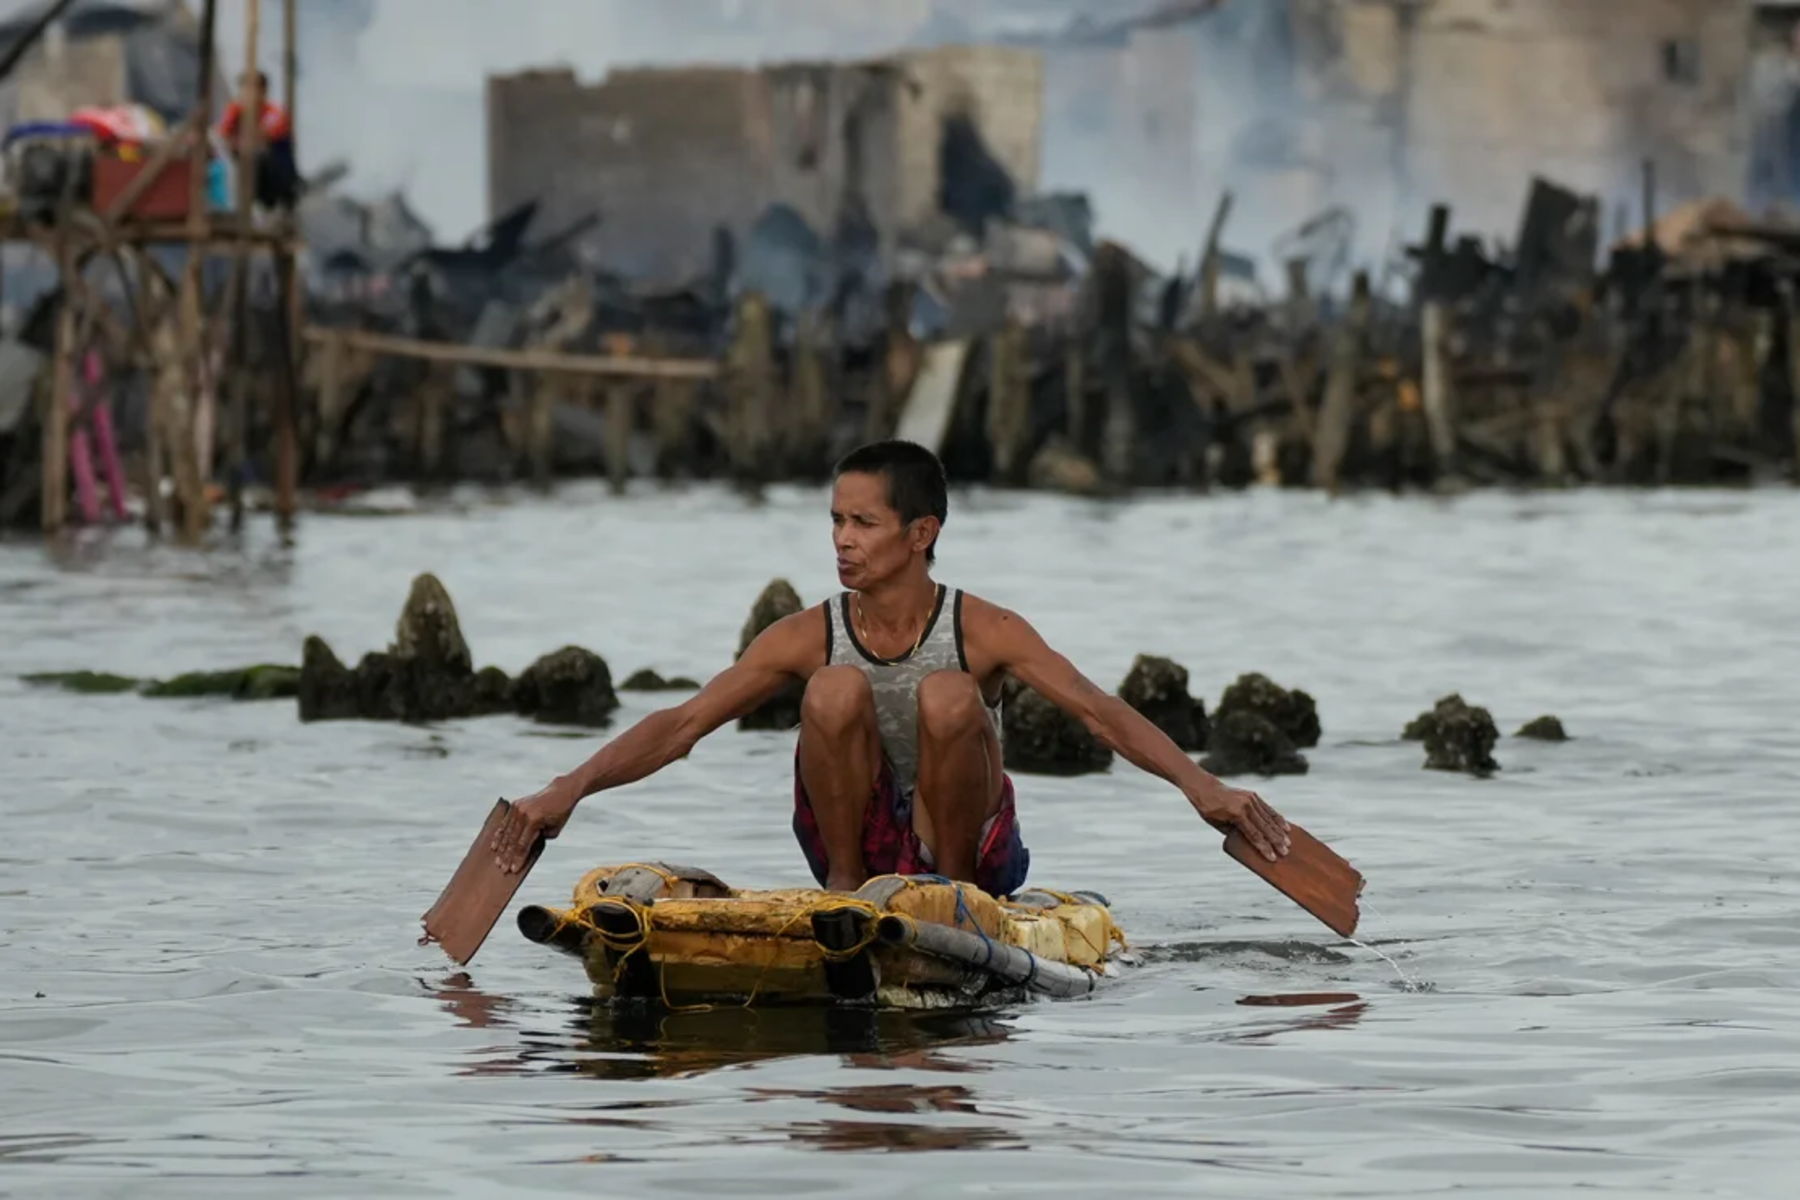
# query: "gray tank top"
[896,681]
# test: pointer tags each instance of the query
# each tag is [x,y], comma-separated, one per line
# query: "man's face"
[872,543]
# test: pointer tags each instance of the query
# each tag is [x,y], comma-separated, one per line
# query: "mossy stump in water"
[781,711]
[647,680]
[90,683]
[1293,712]
[1544,729]
[266,681]
[1244,742]
[328,689]
[1416,728]
[428,675]
[491,692]
[570,686]
[1041,739]
[431,672]
[1458,737]
[1158,689]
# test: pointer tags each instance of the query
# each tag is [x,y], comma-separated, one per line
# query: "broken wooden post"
[431,401]
[1075,393]
[1009,402]
[1434,330]
[752,390]
[331,399]
[618,434]
[1299,293]
[899,366]
[1209,263]
[1112,280]
[287,400]
[197,217]
[249,127]
[546,391]
[152,298]
[671,411]
[1297,380]
[1791,313]
[184,389]
[813,412]
[179,381]
[54,475]
[1337,413]
[1690,385]
[1549,434]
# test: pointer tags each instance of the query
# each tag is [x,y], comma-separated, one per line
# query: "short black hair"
[915,480]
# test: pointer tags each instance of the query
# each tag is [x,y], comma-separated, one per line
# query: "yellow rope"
[831,904]
[668,877]
[870,932]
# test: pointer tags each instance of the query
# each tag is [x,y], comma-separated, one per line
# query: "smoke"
[395,89]
[1294,106]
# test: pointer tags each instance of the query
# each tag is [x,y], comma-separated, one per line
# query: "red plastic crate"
[164,200]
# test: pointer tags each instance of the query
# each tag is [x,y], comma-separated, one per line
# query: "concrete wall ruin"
[667,156]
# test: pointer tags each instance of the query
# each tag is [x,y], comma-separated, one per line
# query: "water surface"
[209,984]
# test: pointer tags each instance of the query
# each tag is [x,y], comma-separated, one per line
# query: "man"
[277,180]
[898,765]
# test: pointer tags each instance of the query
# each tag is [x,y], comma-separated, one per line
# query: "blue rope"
[962,910]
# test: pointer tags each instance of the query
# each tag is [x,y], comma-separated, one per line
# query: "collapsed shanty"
[742,271]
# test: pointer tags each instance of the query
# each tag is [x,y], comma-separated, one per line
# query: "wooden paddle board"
[1312,876]
[472,903]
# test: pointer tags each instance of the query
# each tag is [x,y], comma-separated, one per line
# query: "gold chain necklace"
[862,630]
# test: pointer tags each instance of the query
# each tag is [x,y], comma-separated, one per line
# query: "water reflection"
[863,1136]
[470,1005]
[631,1040]
[1343,1009]
[897,1099]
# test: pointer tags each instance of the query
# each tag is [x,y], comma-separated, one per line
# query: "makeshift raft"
[658,932]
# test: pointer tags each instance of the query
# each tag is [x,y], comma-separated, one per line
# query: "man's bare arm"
[775,658]
[1007,641]
[781,653]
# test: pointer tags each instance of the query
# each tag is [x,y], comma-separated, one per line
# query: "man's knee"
[837,700]
[949,705]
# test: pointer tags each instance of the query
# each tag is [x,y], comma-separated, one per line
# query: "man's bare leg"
[960,773]
[840,753]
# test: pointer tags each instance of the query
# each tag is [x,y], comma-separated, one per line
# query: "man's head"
[888,504]
[257,83]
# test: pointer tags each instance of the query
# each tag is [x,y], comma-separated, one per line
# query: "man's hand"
[1248,812]
[544,813]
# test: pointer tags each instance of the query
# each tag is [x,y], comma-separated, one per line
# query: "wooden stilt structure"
[173,330]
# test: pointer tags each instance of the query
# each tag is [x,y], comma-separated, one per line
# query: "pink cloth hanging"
[93,434]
